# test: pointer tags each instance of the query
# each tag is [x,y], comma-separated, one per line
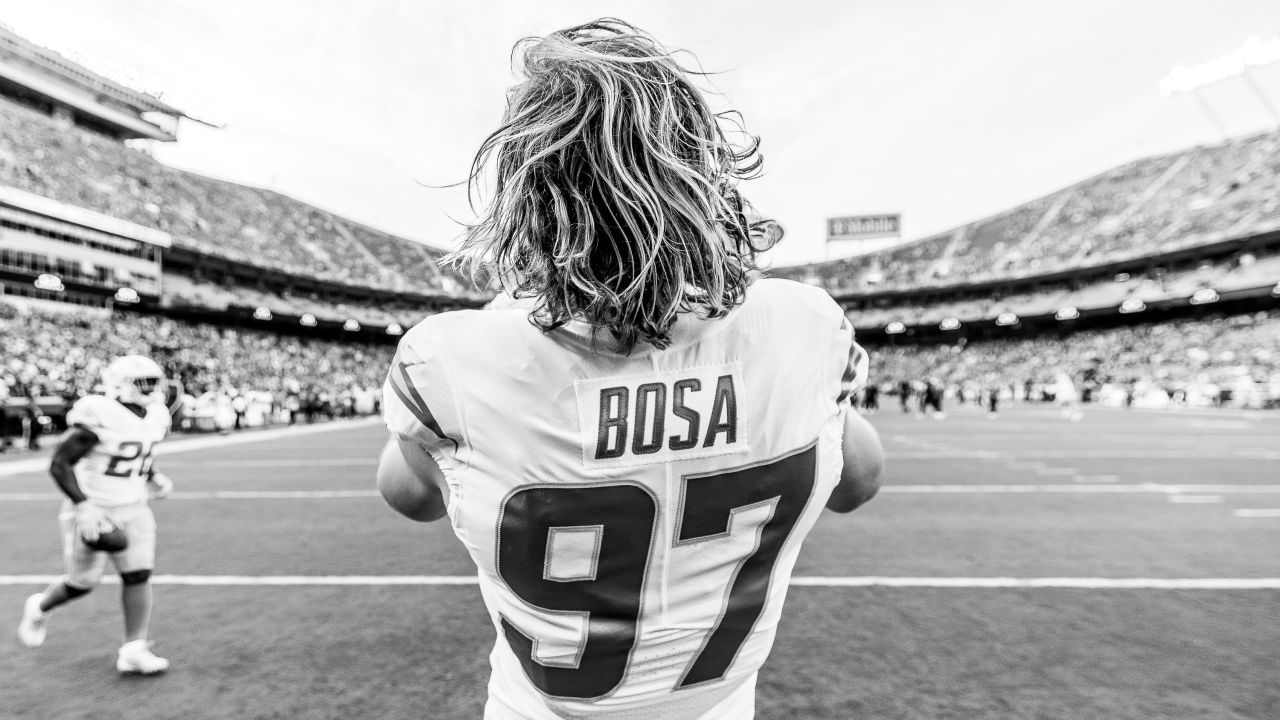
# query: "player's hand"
[91,521]
[159,486]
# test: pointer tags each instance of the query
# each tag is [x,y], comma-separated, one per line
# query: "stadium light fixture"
[949,324]
[127,295]
[895,328]
[1204,296]
[52,283]
[1067,313]
[351,326]
[395,329]
[307,319]
[1132,305]
[1006,319]
[262,313]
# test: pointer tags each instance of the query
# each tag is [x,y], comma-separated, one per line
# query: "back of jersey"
[634,519]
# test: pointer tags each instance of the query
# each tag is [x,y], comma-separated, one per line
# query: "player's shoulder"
[791,298]
[93,405]
[92,412]
[456,330]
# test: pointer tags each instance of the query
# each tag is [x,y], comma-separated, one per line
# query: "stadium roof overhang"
[59,92]
[22,200]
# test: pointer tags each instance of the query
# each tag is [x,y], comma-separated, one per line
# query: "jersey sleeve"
[854,363]
[87,413]
[417,397]
[846,366]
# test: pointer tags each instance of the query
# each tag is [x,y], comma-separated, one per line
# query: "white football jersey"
[634,518]
[115,471]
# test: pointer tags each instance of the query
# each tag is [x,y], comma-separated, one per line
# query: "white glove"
[91,521]
[159,486]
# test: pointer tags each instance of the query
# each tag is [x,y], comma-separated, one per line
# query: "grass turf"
[414,652]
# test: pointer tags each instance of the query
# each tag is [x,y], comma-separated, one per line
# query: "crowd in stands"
[1231,361]
[79,167]
[1243,271]
[1144,208]
[184,291]
[60,354]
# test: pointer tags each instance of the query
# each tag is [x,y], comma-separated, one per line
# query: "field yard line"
[1257,513]
[1185,491]
[273,462]
[222,495]
[1085,583]
[1088,583]
[1083,488]
[173,447]
[1019,455]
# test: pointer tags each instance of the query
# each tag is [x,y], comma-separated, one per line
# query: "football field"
[1125,566]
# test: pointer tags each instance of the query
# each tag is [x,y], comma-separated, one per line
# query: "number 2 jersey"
[634,518]
[115,471]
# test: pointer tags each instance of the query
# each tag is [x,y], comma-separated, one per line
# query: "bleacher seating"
[251,225]
[1144,208]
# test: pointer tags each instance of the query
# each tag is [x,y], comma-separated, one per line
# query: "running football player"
[104,467]
[681,423]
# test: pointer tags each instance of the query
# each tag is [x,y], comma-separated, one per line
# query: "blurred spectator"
[1232,361]
[64,354]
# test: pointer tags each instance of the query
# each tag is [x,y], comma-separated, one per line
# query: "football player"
[682,423]
[104,465]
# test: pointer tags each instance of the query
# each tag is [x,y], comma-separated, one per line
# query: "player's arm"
[410,481]
[78,442]
[863,465]
[90,519]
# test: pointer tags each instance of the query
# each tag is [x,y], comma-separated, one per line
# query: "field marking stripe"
[1186,491]
[222,495]
[1083,488]
[1086,583]
[1089,583]
[184,445]
[273,462]
[1030,455]
[1257,513]
[1195,499]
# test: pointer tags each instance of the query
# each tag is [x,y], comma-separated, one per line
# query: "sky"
[943,111]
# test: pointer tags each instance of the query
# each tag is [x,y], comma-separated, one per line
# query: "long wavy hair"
[614,195]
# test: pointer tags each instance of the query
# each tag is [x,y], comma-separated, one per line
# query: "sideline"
[1036,583]
[184,445]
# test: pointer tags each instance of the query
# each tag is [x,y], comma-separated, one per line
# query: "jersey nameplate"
[659,417]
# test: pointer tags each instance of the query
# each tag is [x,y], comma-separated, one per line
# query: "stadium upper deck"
[210,217]
[1144,208]
[252,249]
[69,90]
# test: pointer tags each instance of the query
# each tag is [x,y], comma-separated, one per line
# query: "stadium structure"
[88,220]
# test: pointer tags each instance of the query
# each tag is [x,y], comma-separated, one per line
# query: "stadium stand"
[1157,280]
[1233,360]
[1242,273]
[59,354]
[80,167]
[1144,208]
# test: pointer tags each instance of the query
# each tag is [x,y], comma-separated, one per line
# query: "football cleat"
[135,658]
[34,625]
